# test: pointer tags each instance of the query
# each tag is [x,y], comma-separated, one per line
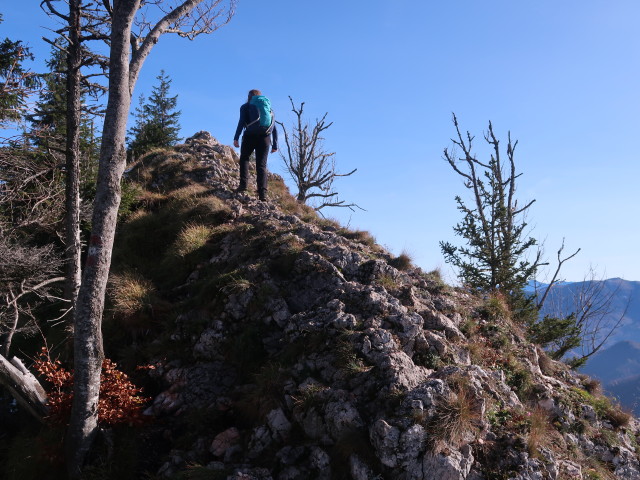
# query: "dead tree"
[589,308]
[31,198]
[134,29]
[310,166]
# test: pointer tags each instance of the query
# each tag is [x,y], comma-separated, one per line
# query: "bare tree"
[30,199]
[311,167]
[589,311]
[135,28]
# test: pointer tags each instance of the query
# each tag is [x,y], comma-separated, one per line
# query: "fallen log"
[24,387]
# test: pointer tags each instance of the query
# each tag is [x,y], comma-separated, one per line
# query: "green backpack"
[262,113]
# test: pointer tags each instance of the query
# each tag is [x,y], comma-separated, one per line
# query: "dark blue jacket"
[245,119]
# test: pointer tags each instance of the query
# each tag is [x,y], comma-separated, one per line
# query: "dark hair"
[253,92]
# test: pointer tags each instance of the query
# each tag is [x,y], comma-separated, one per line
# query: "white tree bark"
[88,349]
[72,194]
[127,54]
[24,387]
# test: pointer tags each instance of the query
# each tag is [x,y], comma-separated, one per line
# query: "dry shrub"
[120,401]
[456,420]
[619,418]
[402,261]
[591,385]
[131,293]
[360,236]
[192,237]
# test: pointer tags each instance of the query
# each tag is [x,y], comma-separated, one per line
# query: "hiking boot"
[262,196]
[240,190]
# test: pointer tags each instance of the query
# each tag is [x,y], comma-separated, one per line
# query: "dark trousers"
[261,146]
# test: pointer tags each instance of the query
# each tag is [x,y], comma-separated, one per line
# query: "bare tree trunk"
[127,54]
[72,194]
[88,349]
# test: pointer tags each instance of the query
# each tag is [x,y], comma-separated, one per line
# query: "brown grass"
[541,431]
[359,236]
[188,192]
[619,418]
[211,207]
[130,293]
[456,419]
[402,261]
[546,364]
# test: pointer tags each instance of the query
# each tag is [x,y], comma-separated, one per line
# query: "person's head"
[253,93]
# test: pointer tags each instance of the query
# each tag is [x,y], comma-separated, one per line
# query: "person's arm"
[240,127]
[274,139]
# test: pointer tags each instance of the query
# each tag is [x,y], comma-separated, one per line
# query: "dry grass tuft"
[592,385]
[456,419]
[188,192]
[546,364]
[163,170]
[192,237]
[210,206]
[131,293]
[541,431]
[279,191]
[402,261]
[359,236]
[619,418]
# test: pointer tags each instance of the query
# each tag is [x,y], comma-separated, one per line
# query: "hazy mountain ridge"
[617,365]
[625,301]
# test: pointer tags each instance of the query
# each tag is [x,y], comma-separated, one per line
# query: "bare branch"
[311,167]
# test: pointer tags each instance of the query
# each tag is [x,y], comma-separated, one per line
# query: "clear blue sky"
[561,76]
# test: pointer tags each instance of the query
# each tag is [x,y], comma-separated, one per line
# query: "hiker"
[258,122]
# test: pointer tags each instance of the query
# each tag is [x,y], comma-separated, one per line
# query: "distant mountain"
[627,391]
[625,301]
[618,368]
[620,361]
[617,365]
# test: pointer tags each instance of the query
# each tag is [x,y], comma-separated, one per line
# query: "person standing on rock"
[260,134]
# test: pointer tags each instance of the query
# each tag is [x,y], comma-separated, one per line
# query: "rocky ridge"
[302,350]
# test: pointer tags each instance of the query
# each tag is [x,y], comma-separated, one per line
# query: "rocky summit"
[284,346]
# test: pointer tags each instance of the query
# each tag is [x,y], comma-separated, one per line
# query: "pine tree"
[495,256]
[157,122]
[48,121]
[16,82]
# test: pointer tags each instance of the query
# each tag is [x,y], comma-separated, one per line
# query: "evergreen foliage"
[157,120]
[48,121]
[558,336]
[495,256]
[15,81]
